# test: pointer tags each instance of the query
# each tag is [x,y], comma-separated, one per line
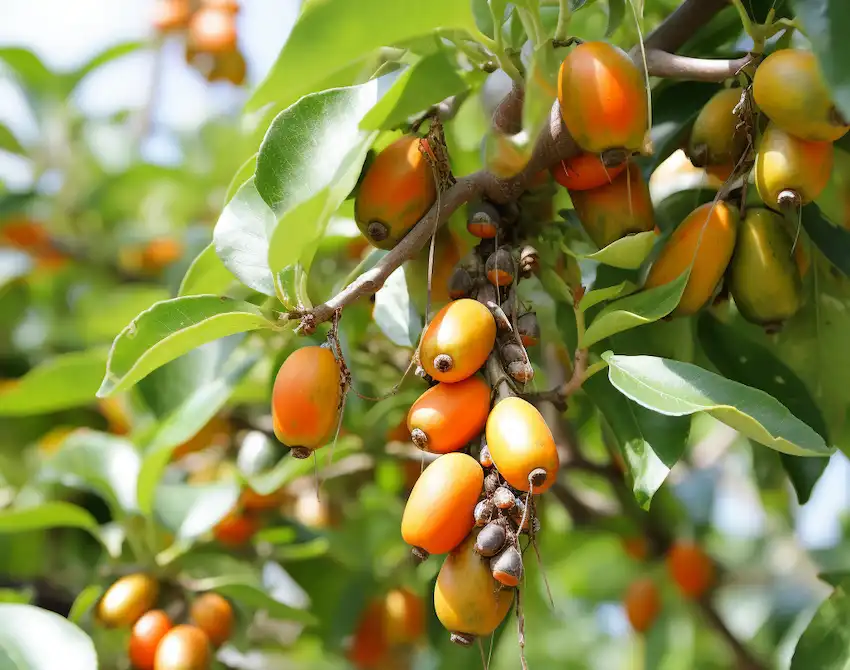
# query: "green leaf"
[8,141]
[627,253]
[33,75]
[13,265]
[47,515]
[832,240]
[616,12]
[677,389]
[207,274]
[242,235]
[540,88]
[190,511]
[204,381]
[329,36]
[425,83]
[394,312]
[84,601]
[171,328]
[34,639]
[826,23]
[636,310]
[739,358]
[243,174]
[99,462]
[289,469]
[594,297]
[248,593]
[825,644]
[108,55]
[61,382]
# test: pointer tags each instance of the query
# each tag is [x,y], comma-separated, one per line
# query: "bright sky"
[67,33]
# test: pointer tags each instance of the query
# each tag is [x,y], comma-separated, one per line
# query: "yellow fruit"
[717,136]
[458,340]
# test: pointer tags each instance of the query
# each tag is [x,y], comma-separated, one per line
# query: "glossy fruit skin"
[716,138]
[404,616]
[614,210]
[127,599]
[466,597]
[184,647]
[790,89]
[213,615]
[584,172]
[784,162]
[306,396]
[763,277]
[603,98]
[520,441]
[691,569]
[439,510]
[451,415]
[464,330]
[235,529]
[642,603]
[709,233]
[145,638]
[397,190]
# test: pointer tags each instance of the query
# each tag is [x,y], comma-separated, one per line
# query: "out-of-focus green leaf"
[68,380]
[738,358]
[394,313]
[832,240]
[247,592]
[108,55]
[331,35]
[679,389]
[32,638]
[101,312]
[33,75]
[84,601]
[207,274]
[540,88]
[171,328]
[192,510]
[825,644]
[47,515]
[616,12]
[425,83]
[289,469]
[8,141]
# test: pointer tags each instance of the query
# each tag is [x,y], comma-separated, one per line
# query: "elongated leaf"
[825,644]
[242,235]
[394,312]
[594,297]
[47,515]
[540,88]
[206,275]
[190,511]
[33,75]
[331,35]
[84,601]
[289,469]
[105,464]
[35,639]
[616,12]
[627,253]
[243,174]
[247,592]
[69,380]
[827,23]
[636,310]
[738,358]
[426,83]
[832,240]
[679,389]
[8,141]
[171,328]
[108,55]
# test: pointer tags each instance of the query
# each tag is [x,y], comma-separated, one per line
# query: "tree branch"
[678,28]
[663,64]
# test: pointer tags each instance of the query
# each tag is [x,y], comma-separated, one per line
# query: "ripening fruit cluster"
[211,35]
[691,570]
[156,643]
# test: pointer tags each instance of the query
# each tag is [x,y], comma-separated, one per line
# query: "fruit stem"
[496,45]
[747,22]
[564,16]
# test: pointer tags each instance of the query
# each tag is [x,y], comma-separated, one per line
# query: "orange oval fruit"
[438,513]
[306,397]
[405,616]
[790,172]
[235,529]
[458,341]
[127,599]
[603,98]
[643,604]
[764,277]
[691,569]
[212,30]
[171,15]
[447,416]
[614,210]
[521,445]
[717,136]
[707,238]
[369,645]
[789,88]
[584,172]
[397,190]
[184,647]
[213,615]
[160,252]
[467,599]
[147,633]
